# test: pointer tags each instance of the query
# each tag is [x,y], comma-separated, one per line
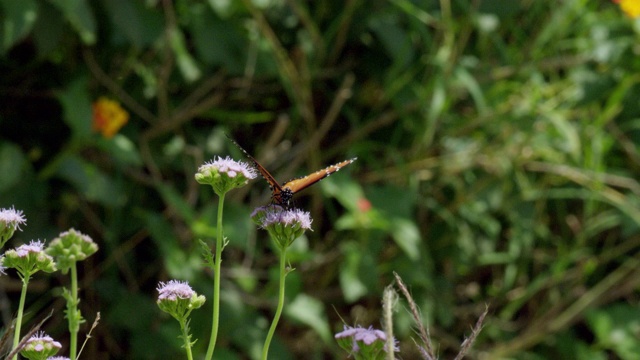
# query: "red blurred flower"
[108,117]
[364,205]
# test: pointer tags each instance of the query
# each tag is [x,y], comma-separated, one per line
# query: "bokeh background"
[498,158]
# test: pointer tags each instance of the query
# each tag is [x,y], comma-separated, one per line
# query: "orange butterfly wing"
[304,182]
[281,195]
[276,189]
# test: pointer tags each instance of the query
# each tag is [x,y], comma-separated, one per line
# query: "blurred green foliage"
[498,164]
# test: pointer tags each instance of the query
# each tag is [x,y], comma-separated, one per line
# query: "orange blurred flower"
[629,7]
[108,117]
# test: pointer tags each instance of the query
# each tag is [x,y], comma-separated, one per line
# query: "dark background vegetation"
[497,143]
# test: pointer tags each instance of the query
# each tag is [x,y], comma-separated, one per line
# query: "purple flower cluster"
[174,289]
[370,342]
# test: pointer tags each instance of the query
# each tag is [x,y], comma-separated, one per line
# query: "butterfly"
[282,194]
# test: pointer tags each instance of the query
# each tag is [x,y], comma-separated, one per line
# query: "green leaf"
[79,15]
[90,181]
[140,24]
[16,20]
[185,61]
[48,30]
[616,328]
[11,162]
[406,234]
[310,311]
[356,272]
[179,263]
[76,105]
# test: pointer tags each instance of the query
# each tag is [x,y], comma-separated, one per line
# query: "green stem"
[72,314]
[23,296]
[276,318]
[185,336]
[216,281]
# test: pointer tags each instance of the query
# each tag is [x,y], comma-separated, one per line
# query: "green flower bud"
[40,347]
[69,247]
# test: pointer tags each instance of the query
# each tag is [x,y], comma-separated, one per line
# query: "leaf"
[17,19]
[356,273]
[76,104]
[140,24]
[310,311]
[11,162]
[90,181]
[406,234]
[79,15]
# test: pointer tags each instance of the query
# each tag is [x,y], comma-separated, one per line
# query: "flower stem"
[23,296]
[185,336]
[72,314]
[216,280]
[276,318]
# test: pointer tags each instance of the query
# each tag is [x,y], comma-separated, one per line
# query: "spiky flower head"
[178,299]
[10,221]
[225,174]
[28,259]
[283,225]
[361,343]
[40,346]
[69,247]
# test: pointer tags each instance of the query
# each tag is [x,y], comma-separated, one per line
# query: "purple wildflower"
[370,341]
[29,259]
[283,225]
[33,247]
[225,174]
[178,299]
[174,289]
[10,221]
[39,346]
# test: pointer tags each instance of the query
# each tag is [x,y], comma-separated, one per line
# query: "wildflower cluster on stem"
[283,225]
[10,221]
[225,174]
[28,259]
[40,347]
[366,344]
[70,247]
[178,299]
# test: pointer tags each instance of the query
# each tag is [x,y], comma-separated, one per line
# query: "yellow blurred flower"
[108,117]
[629,7]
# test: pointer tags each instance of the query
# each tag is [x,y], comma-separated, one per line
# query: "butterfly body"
[282,194]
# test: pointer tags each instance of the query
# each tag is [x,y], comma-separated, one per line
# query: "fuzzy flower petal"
[369,343]
[178,299]
[225,174]
[284,225]
[175,289]
[10,221]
